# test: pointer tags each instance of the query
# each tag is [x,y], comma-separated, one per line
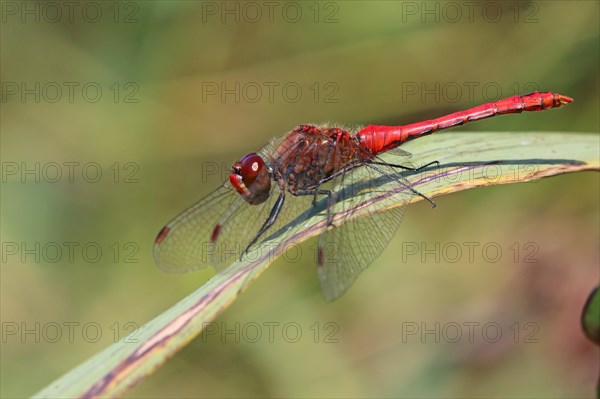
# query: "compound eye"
[252,165]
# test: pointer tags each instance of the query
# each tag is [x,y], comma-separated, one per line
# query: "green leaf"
[467,160]
[590,318]
[590,322]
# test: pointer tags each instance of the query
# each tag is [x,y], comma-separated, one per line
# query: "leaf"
[466,160]
[590,322]
[590,317]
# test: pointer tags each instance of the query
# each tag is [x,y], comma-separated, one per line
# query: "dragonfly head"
[250,178]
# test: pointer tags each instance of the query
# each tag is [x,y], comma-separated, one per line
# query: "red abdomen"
[377,139]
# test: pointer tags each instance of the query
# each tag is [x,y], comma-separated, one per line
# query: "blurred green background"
[141,111]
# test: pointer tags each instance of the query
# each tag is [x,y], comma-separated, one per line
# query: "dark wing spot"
[162,234]
[320,257]
[215,233]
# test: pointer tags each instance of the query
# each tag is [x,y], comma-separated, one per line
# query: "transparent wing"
[355,242]
[399,154]
[218,228]
[213,231]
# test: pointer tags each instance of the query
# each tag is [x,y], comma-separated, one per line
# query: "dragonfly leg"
[314,201]
[370,164]
[433,204]
[436,163]
[269,222]
[320,192]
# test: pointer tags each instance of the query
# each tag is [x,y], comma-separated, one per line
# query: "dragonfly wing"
[180,246]
[214,231]
[357,240]
[347,250]
[399,153]
[217,229]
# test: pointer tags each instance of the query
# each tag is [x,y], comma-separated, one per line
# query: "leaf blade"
[117,368]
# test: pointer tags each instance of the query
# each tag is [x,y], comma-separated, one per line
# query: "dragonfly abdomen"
[377,139]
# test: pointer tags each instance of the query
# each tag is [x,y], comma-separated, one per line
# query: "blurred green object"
[590,322]
[590,317]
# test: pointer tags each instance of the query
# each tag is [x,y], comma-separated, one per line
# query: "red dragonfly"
[322,170]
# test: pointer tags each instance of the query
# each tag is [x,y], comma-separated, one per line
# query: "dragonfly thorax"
[312,155]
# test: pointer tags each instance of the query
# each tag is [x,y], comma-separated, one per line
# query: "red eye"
[252,165]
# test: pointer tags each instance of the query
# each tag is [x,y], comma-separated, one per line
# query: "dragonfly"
[322,170]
